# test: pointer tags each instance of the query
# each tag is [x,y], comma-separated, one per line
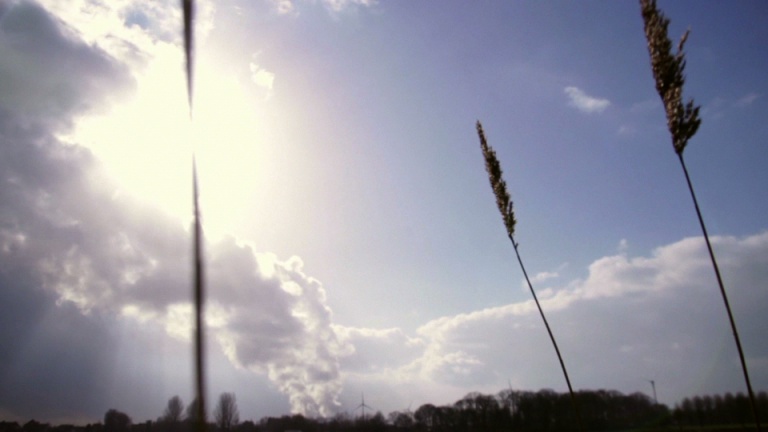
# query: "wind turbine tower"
[362,405]
[653,385]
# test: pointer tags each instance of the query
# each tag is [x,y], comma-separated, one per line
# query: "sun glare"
[146,143]
[230,146]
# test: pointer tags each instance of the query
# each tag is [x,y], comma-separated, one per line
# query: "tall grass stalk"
[505,206]
[199,286]
[683,121]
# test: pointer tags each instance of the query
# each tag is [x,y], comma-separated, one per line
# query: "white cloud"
[747,100]
[260,76]
[285,7]
[584,102]
[84,78]
[279,324]
[93,248]
[543,276]
[719,106]
[625,130]
[127,28]
[715,109]
[276,322]
[655,316]
[339,5]
[376,350]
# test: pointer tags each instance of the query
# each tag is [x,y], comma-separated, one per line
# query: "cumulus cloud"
[280,324]
[261,77]
[91,256]
[376,350]
[125,28]
[543,276]
[47,75]
[657,316]
[46,78]
[76,248]
[584,102]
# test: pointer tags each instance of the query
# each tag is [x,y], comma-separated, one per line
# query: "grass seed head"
[492,166]
[668,70]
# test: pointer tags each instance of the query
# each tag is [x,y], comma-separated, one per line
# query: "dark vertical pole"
[199,289]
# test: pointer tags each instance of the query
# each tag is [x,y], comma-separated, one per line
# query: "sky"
[353,245]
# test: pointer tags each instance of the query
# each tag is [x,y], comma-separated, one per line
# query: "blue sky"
[353,240]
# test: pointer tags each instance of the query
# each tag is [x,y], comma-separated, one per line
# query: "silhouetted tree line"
[545,410]
[509,410]
[728,409]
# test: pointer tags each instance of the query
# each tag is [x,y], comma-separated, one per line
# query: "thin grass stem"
[198,262]
[683,121]
[574,403]
[505,206]
[731,320]
[199,293]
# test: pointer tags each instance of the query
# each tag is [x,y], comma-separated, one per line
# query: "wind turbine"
[362,405]
[653,385]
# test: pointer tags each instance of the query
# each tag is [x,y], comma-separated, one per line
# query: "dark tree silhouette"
[174,411]
[226,413]
[425,416]
[6,426]
[116,421]
[192,412]
[509,410]
[401,420]
[35,426]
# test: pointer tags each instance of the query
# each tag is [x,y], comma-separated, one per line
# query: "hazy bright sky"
[353,243]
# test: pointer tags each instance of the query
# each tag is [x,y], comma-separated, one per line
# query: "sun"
[232,146]
[146,142]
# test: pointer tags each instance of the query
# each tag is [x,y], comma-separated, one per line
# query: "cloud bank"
[617,328]
[75,246]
